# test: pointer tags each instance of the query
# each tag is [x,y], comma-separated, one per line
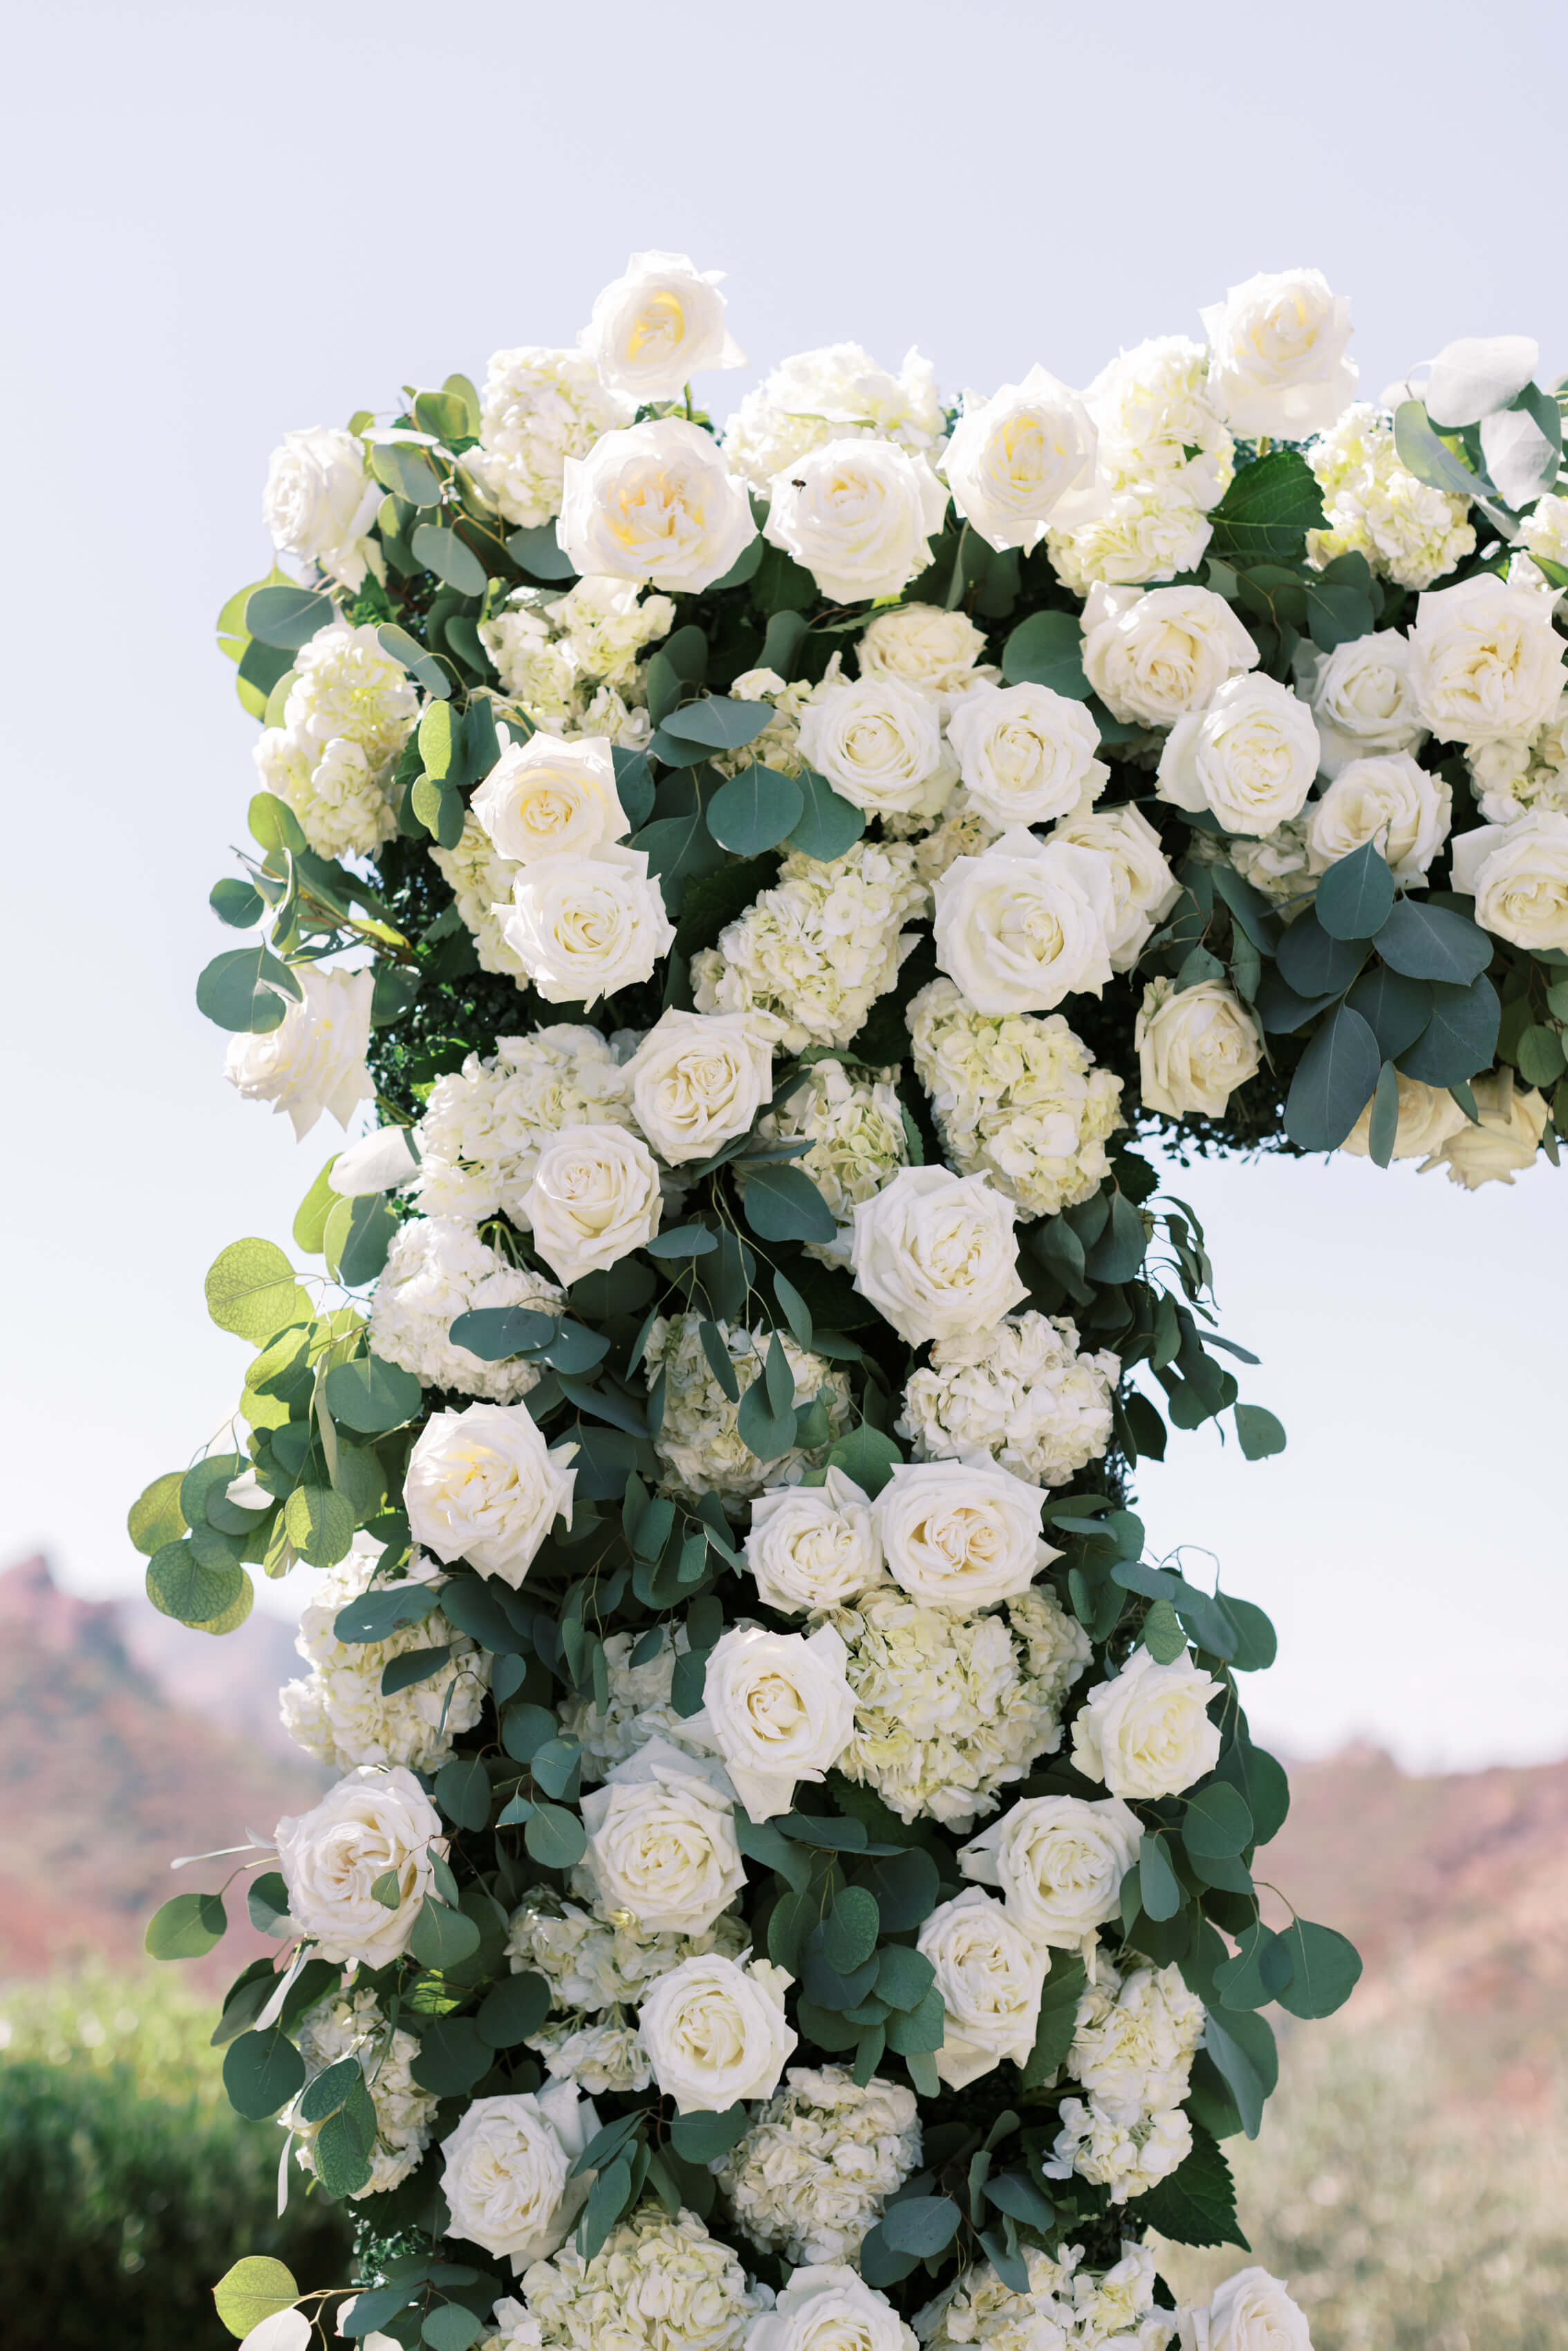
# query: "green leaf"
[187,1927]
[766,1433]
[829,824]
[495,1333]
[1215,1821]
[287,617]
[267,1903]
[1460,1037]
[253,2289]
[904,1977]
[1010,2192]
[794,1309]
[453,2055]
[1395,1009]
[179,1585]
[922,2225]
[441,550]
[607,2198]
[513,2009]
[155,1516]
[1315,964]
[905,1886]
[1422,451]
[1119,1251]
[782,1204]
[1433,943]
[420,664]
[450,2327]
[340,2154]
[1267,512]
[851,1930]
[1164,1639]
[462,1792]
[677,846]
[262,2070]
[868,1457]
[328,2090]
[1324,1970]
[1242,2048]
[554,1836]
[703,2137]
[1355,895]
[1196,2203]
[1059,1999]
[715,899]
[1334,1081]
[319,1523]
[403,468]
[1047,650]
[755,810]
[1159,1889]
[1259,1432]
[683,1241]
[247,990]
[537,550]
[235,902]
[251,1291]
[1337,614]
[372,1395]
[1256,1643]
[719,724]
[1383,1129]
[441,1938]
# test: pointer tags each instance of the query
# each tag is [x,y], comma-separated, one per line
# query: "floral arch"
[790,1873]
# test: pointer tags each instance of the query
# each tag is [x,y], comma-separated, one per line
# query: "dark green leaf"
[922,2225]
[868,1457]
[1259,1432]
[1059,1999]
[1196,2203]
[851,1930]
[267,1903]
[185,1927]
[339,2156]
[782,1204]
[702,2138]
[1355,895]
[1242,2048]
[1266,513]
[1215,1821]
[905,1886]
[719,724]
[1010,2192]
[247,990]
[1395,1009]
[262,2070]
[1433,942]
[1313,963]
[414,1666]
[1460,1037]
[1324,1970]
[289,617]
[828,823]
[755,810]
[375,1616]
[441,1938]
[453,2055]
[555,1837]
[441,550]
[537,550]
[1159,1890]
[462,1792]
[1047,650]
[1334,1081]
[495,1333]
[372,1395]
[450,2327]
[678,847]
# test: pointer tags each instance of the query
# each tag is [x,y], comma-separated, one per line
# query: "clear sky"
[224,221]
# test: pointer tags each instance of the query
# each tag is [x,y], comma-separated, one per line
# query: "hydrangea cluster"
[949,1707]
[608,2057]
[778,745]
[591,1961]
[1515,774]
[570,662]
[815,952]
[338,1713]
[346,716]
[856,1130]
[437,1268]
[1024,1393]
[820,2161]
[538,409]
[699,1443]
[351,2025]
[832,394]
[1408,531]
[485,1125]
[1017,1097]
[655,2284]
[1066,2308]
[639,1708]
[1163,460]
[1133,2049]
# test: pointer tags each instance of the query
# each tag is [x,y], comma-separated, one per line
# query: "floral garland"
[790,1879]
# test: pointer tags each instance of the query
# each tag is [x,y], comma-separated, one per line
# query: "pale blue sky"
[224,221]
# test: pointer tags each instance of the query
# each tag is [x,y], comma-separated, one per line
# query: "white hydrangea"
[346,716]
[655,2284]
[1544,531]
[1156,423]
[1139,531]
[605,624]
[963,832]
[338,1713]
[815,2171]
[591,1961]
[1067,2307]
[1133,2040]
[605,2058]
[1514,776]
[485,1125]
[639,1708]
[569,660]
[856,1131]
[1016,1097]
[480,881]
[537,408]
[339,797]
[816,951]
[1023,1393]
[829,395]
[778,745]
[950,1708]
[1276,862]
[1127,2159]
[536,671]
[1408,532]
[438,1268]
[350,2024]
[699,1443]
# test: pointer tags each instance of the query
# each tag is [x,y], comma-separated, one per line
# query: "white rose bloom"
[936,1254]
[507,2171]
[990,1977]
[699,1443]
[582,927]
[661,1841]
[1250,2312]
[341,1715]
[654,503]
[538,409]
[1135,531]
[655,2284]
[813,1547]
[1143,888]
[351,2025]
[604,2059]
[880,743]
[485,1125]
[716,2033]
[371,1823]
[484,1486]
[1250,756]
[1408,531]
[922,645]
[314,1061]
[830,2308]
[1503,1144]
[593,1962]
[858,514]
[811,2174]
[1157,423]
[1429,1116]
[825,395]
[1015,457]
[1196,1045]
[856,1128]
[1020,1391]
[1147,1732]
[655,328]
[777,1708]
[1153,654]
[319,503]
[699,1079]
[1277,358]
[959,1534]
[545,797]
[816,950]
[1026,924]
[1390,800]
[1128,2158]
[1485,661]
[1060,1863]
[1361,699]
[437,1268]
[1026,754]
[1133,2041]
[594,1198]
[1518,875]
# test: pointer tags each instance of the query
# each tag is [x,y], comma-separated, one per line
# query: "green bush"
[127,2184]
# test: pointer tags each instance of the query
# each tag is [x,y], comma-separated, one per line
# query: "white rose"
[594,1198]
[777,1708]
[1146,1733]
[922,645]
[654,503]
[545,797]
[1361,699]
[814,1546]
[1152,654]
[1060,1863]
[484,1486]
[1392,802]
[371,1823]
[1250,2312]
[1427,1116]
[1026,753]
[958,1534]
[1026,924]
[1505,1142]
[880,743]
[1518,875]
[1013,458]
[1142,887]
[859,515]
[319,503]
[830,2308]
[314,1061]
[699,1079]
[507,2171]
[583,926]
[716,2031]
[662,323]
[990,1977]
[1485,661]
[1251,756]
[936,1254]
[1196,1045]
[661,1841]
[1277,363]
